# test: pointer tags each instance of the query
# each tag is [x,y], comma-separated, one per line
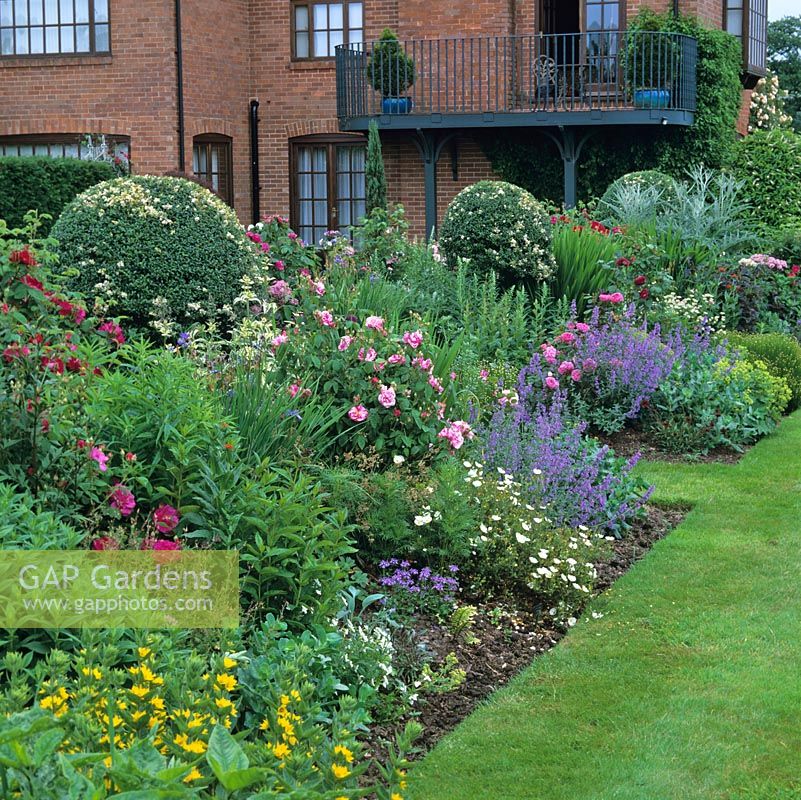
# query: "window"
[66,146]
[748,21]
[319,27]
[602,22]
[49,27]
[328,185]
[212,162]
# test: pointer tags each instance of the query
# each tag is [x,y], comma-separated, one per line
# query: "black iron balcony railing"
[481,77]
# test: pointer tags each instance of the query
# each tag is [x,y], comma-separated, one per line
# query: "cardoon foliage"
[578,481]
[607,367]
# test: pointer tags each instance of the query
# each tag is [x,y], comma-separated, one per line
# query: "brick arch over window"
[202,126]
[313,128]
[60,124]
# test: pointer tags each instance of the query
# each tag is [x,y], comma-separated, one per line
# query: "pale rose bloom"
[358,413]
[386,397]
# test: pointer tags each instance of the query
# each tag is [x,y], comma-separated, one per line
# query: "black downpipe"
[676,8]
[179,76]
[255,188]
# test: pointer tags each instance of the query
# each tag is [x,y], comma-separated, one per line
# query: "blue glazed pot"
[652,98]
[396,105]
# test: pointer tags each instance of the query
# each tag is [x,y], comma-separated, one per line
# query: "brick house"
[256,98]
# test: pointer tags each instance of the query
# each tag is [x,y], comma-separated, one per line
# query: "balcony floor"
[576,116]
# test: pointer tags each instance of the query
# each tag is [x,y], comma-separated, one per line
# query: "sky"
[783,8]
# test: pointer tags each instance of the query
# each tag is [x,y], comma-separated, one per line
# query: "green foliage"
[375,176]
[418,513]
[781,355]
[532,161]
[784,59]
[390,70]
[135,240]
[45,184]
[584,254]
[708,402]
[787,244]
[652,185]
[498,227]
[769,164]
[23,526]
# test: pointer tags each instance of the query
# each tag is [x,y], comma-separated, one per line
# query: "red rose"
[639,280]
[32,282]
[24,256]
[645,294]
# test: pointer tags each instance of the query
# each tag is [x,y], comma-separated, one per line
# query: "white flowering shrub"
[691,310]
[517,548]
[499,226]
[143,238]
[767,106]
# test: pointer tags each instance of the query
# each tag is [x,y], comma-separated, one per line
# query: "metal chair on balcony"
[545,90]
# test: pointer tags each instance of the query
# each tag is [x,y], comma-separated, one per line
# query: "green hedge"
[44,184]
[769,162]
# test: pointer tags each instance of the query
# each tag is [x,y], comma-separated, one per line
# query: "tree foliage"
[784,59]
[375,176]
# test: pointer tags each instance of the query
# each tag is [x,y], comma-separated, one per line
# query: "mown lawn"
[689,687]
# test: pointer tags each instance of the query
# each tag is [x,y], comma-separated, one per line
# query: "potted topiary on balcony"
[391,72]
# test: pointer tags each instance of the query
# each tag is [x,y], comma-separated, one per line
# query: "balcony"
[566,85]
[604,78]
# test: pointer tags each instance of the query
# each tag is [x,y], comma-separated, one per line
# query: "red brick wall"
[133,91]
[404,169]
[216,44]
[235,50]
[130,92]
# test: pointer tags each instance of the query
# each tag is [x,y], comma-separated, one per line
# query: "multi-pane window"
[328,186]
[48,27]
[602,22]
[748,21]
[212,162]
[67,146]
[319,27]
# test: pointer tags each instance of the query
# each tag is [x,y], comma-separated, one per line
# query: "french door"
[328,185]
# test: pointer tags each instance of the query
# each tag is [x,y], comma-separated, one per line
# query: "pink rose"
[414,339]
[434,383]
[575,375]
[282,338]
[165,544]
[567,337]
[325,318]
[615,297]
[397,358]
[375,323]
[582,327]
[358,413]
[370,355]
[551,382]
[549,353]
[122,499]
[386,396]
[281,291]
[293,390]
[484,375]
[319,288]
[344,343]
[565,367]
[166,518]
[98,455]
